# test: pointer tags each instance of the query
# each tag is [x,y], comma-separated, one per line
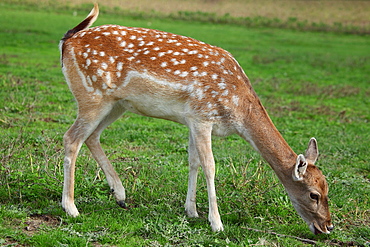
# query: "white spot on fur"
[199,93]
[222,85]
[98,93]
[100,72]
[104,66]
[213,112]
[108,80]
[214,93]
[174,61]
[119,66]
[184,74]
[235,100]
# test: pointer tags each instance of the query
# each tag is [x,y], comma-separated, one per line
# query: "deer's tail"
[86,23]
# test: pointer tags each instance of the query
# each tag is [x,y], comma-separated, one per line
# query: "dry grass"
[354,13]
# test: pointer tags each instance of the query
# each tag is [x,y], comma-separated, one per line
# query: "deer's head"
[309,191]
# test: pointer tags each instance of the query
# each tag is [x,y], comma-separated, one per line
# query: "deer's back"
[148,70]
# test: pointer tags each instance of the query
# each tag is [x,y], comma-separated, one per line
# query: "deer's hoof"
[122,204]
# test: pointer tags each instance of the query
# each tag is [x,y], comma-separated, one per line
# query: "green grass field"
[312,84]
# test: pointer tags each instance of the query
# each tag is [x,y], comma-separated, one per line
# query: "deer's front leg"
[201,134]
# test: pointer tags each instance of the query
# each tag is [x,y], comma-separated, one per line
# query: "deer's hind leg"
[89,118]
[93,143]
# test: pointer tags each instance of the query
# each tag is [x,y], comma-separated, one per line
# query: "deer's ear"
[312,151]
[299,168]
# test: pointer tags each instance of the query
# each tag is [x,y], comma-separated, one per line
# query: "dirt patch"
[37,221]
[9,242]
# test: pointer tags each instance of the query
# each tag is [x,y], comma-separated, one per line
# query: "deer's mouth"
[316,229]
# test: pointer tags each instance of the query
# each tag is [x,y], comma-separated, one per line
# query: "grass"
[334,16]
[312,84]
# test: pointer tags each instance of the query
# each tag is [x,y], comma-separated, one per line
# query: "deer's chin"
[313,229]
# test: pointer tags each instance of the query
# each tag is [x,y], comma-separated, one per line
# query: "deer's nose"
[330,228]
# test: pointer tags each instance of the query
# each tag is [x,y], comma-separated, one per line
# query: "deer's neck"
[266,139]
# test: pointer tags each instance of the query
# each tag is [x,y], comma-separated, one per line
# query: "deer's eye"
[315,196]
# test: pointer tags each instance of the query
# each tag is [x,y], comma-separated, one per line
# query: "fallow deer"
[111,69]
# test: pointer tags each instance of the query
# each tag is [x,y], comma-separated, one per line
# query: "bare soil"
[37,221]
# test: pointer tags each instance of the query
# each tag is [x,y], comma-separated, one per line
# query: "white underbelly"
[157,108]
